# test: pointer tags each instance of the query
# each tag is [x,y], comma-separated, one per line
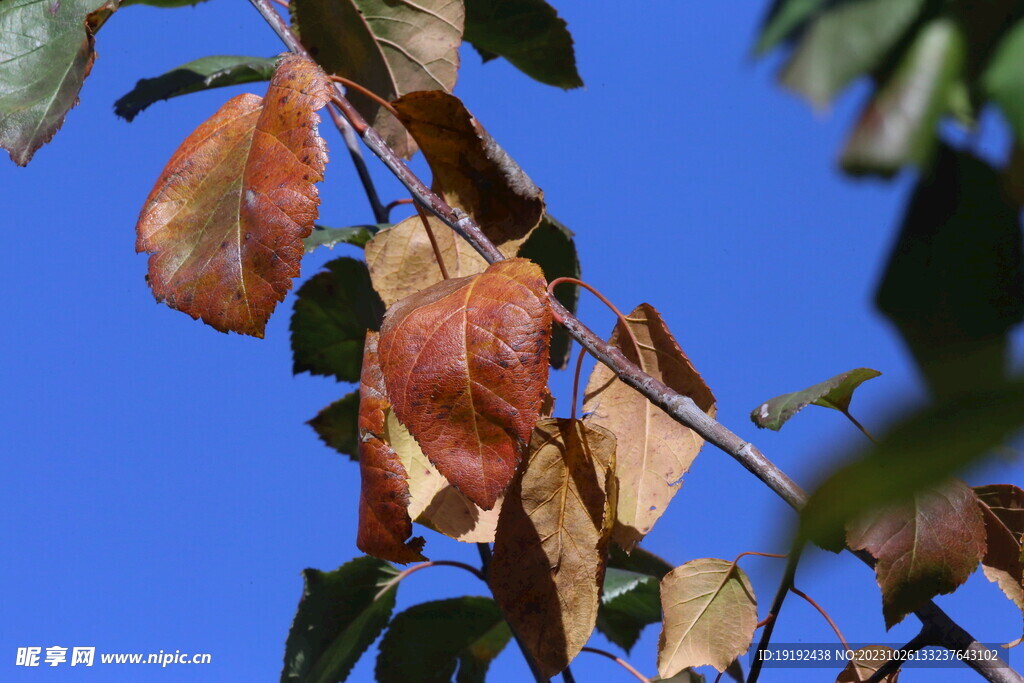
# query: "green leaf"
[337,425]
[640,561]
[391,48]
[339,616]
[333,311]
[897,127]
[629,602]
[784,20]
[529,34]
[835,393]
[356,235]
[954,284]
[917,453]
[47,53]
[551,247]
[428,642]
[201,74]
[848,40]
[1003,80]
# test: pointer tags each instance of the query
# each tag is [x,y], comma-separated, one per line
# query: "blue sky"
[160,488]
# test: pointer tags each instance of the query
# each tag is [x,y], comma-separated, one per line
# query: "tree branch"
[680,408]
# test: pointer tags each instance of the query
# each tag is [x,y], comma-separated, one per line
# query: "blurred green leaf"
[898,125]
[1003,79]
[630,601]
[919,452]
[201,74]
[529,34]
[551,247]
[851,38]
[333,311]
[784,20]
[428,642]
[356,235]
[337,425]
[954,284]
[339,616]
[834,393]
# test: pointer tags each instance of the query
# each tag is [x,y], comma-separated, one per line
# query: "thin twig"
[623,320]
[433,241]
[397,202]
[773,613]
[822,612]
[365,91]
[567,676]
[918,642]
[405,573]
[858,425]
[680,408]
[621,662]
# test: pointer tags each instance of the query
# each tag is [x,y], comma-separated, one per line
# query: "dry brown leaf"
[866,661]
[384,523]
[550,549]
[465,363]
[225,220]
[1002,507]
[470,170]
[654,451]
[402,262]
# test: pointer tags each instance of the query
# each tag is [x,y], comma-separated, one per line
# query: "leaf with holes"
[390,48]
[428,642]
[654,450]
[201,74]
[551,543]
[466,365]
[629,602]
[333,311]
[47,54]
[402,261]
[470,170]
[1002,507]
[924,548]
[835,393]
[710,615]
[384,523]
[337,425]
[341,613]
[226,219]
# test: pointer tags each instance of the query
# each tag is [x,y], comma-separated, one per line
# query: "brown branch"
[348,83]
[621,662]
[918,642]
[680,408]
[773,612]
[433,241]
[397,202]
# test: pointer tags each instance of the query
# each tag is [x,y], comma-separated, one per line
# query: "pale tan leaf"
[402,262]
[654,451]
[709,616]
[551,543]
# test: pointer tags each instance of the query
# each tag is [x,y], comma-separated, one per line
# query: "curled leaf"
[471,171]
[654,451]
[466,364]
[550,547]
[1002,507]
[835,393]
[384,523]
[924,548]
[225,220]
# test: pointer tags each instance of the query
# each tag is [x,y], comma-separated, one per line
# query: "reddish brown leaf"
[465,362]
[225,221]
[470,169]
[924,548]
[550,548]
[1002,506]
[384,523]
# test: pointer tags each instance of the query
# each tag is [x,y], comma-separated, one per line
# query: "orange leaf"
[384,523]
[225,221]
[465,362]
[551,544]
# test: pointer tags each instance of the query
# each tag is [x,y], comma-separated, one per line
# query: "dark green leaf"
[1003,80]
[333,311]
[202,74]
[339,616]
[47,51]
[337,425]
[917,453]
[784,20]
[834,393]
[529,34]
[357,235]
[629,602]
[954,285]
[552,248]
[897,127]
[640,561]
[849,39]
[428,642]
